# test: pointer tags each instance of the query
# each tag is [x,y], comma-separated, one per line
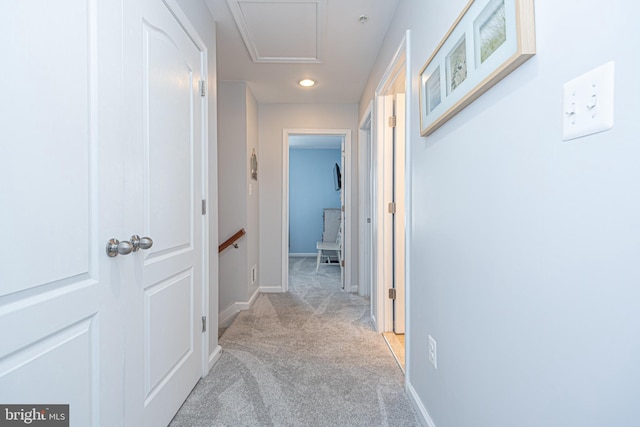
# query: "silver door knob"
[140,242]
[115,247]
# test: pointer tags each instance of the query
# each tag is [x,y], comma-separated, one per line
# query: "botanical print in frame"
[433,90]
[488,40]
[491,32]
[253,161]
[457,66]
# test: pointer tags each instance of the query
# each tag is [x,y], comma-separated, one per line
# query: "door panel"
[67,353]
[36,134]
[398,219]
[59,292]
[167,304]
[169,323]
[168,136]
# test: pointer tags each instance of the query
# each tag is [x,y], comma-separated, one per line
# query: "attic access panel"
[285,31]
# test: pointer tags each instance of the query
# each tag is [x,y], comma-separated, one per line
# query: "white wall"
[525,249]
[238,137]
[233,183]
[253,199]
[201,19]
[273,118]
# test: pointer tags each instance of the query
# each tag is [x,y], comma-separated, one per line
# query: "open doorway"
[389,215]
[303,229]
[315,214]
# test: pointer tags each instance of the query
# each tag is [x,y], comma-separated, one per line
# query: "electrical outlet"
[433,352]
[254,274]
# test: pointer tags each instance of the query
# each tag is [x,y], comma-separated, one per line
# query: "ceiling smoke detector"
[363,19]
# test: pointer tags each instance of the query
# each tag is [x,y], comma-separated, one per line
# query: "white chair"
[330,246]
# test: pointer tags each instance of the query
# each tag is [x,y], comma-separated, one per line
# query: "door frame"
[399,67]
[346,181]
[365,202]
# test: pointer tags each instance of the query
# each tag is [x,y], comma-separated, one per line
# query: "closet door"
[61,178]
[167,129]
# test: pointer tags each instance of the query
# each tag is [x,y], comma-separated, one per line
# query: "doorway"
[304,138]
[315,190]
[388,187]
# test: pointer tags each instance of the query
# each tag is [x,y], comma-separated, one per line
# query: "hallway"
[309,357]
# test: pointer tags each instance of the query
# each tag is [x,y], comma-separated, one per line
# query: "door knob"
[115,247]
[140,242]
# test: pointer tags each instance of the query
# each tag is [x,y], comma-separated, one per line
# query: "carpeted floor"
[306,358]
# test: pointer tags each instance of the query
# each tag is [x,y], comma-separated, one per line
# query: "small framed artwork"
[253,161]
[488,40]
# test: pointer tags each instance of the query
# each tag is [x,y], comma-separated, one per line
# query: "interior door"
[343,187]
[61,175]
[398,218]
[165,326]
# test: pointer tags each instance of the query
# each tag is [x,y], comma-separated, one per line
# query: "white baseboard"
[226,316]
[304,255]
[425,418]
[214,356]
[247,305]
[271,289]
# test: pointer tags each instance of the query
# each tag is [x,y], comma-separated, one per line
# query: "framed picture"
[488,40]
[253,161]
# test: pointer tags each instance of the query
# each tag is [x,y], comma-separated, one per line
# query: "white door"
[61,175]
[164,331]
[398,218]
[343,190]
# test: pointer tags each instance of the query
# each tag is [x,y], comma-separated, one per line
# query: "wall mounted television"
[337,177]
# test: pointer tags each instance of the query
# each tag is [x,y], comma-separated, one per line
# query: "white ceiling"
[272,44]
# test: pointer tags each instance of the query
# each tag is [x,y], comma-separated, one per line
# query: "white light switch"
[587,103]
[433,351]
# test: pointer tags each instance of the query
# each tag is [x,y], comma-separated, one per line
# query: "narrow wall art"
[488,40]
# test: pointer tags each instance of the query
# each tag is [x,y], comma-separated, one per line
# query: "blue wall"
[311,189]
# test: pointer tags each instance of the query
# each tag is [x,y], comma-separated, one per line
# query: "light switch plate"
[433,352]
[587,103]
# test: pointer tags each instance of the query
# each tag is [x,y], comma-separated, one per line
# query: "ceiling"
[272,44]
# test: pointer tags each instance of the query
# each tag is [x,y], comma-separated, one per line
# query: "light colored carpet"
[306,358]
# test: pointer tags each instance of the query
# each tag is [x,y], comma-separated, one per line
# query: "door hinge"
[342,263]
[368,220]
[392,208]
[204,323]
[392,293]
[203,88]
[392,121]
[204,207]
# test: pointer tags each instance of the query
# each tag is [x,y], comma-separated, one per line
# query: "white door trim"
[365,186]
[397,68]
[346,180]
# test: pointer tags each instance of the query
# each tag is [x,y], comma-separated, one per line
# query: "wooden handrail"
[231,240]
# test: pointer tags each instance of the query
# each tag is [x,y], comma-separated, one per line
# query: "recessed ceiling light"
[363,19]
[306,82]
